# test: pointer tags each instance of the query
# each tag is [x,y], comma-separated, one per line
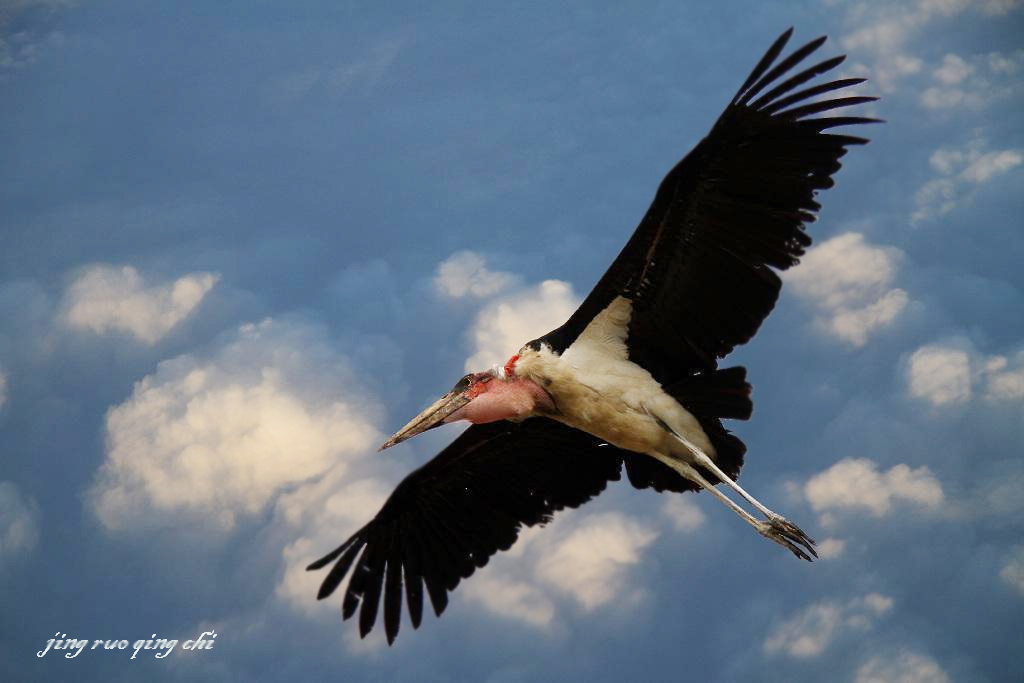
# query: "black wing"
[698,269]
[450,516]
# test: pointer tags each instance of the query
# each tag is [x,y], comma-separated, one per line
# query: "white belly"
[621,403]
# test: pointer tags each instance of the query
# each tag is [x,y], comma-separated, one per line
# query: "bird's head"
[480,397]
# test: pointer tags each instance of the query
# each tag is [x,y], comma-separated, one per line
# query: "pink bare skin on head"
[497,399]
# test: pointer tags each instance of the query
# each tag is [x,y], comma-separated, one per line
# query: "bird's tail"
[709,398]
[723,393]
[712,397]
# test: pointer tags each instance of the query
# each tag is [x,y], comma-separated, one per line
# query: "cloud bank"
[858,484]
[809,632]
[465,275]
[849,283]
[954,372]
[107,298]
[962,171]
[904,667]
[19,524]
[223,435]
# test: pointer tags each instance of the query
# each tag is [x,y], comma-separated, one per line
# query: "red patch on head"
[509,365]
[479,385]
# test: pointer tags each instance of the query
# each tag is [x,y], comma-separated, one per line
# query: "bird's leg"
[777,528]
[693,475]
[795,542]
[776,520]
[707,463]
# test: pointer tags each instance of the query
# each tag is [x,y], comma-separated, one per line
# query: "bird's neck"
[515,399]
[535,365]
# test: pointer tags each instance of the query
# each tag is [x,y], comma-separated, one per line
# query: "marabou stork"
[632,378]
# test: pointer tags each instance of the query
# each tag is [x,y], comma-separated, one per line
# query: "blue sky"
[243,242]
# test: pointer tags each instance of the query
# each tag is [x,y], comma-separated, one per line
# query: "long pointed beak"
[429,418]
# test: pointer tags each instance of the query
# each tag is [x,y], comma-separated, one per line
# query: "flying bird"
[632,378]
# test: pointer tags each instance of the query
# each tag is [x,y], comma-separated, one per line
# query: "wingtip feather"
[766,61]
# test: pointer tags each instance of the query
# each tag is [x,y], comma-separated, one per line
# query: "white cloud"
[849,282]
[857,484]
[366,71]
[1013,571]
[998,7]
[937,197]
[949,90]
[19,524]
[510,314]
[831,548]
[590,563]
[990,164]
[940,375]
[465,274]
[585,558]
[22,48]
[809,632]
[948,373]
[953,70]
[855,325]
[962,171]
[884,34]
[9,9]
[945,160]
[505,324]
[3,387]
[360,74]
[885,40]
[683,513]
[223,436]
[973,82]
[511,598]
[1004,381]
[948,98]
[1005,64]
[290,86]
[904,667]
[105,298]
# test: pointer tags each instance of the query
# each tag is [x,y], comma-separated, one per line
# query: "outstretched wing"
[699,267]
[450,516]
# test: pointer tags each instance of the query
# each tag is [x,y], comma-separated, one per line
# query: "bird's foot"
[789,536]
